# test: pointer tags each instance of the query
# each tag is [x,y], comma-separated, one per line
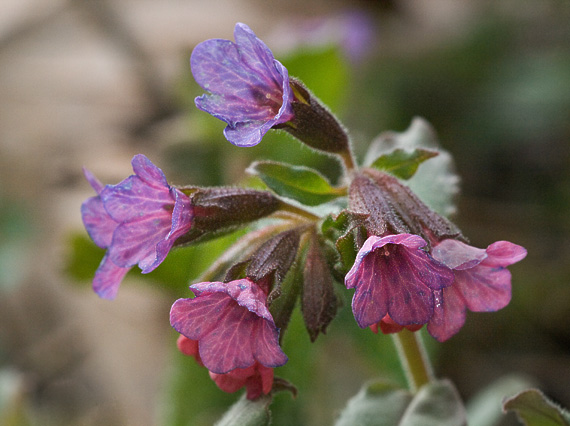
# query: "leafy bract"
[403,163]
[534,409]
[435,182]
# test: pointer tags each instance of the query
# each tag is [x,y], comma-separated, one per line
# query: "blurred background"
[92,83]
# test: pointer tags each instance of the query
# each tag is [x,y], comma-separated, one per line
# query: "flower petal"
[245,134]
[99,225]
[504,253]
[394,276]
[484,289]
[93,181]
[108,277]
[370,300]
[411,302]
[249,89]
[457,255]
[148,172]
[224,318]
[449,314]
[133,198]
[136,242]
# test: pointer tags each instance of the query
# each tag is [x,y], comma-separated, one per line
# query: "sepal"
[220,209]
[345,230]
[274,257]
[313,124]
[318,299]
[393,208]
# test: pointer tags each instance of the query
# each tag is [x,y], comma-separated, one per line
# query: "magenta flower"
[393,275]
[137,221]
[249,89]
[482,283]
[232,325]
[257,379]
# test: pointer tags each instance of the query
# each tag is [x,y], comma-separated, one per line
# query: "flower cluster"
[413,269]
[408,265]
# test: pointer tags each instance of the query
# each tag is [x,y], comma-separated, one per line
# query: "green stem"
[298,211]
[414,359]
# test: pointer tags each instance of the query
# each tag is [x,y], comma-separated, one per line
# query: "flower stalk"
[414,359]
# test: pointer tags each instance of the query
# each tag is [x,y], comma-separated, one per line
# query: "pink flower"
[393,275]
[232,325]
[137,221]
[189,347]
[257,379]
[482,283]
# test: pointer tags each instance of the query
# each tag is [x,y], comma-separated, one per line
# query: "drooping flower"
[257,379]
[137,221]
[232,325]
[249,88]
[393,275]
[482,283]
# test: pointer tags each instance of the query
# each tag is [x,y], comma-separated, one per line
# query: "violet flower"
[249,89]
[137,221]
[232,325]
[393,275]
[482,283]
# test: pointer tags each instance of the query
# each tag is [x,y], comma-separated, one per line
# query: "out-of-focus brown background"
[93,82]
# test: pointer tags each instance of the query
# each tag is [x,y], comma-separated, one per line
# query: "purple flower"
[393,275]
[232,325]
[482,283]
[249,89]
[137,221]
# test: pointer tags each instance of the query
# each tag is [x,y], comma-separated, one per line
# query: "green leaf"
[377,404]
[435,182]
[435,404]
[403,163]
[300,183]
[534,409]
[380,404]
[247,413]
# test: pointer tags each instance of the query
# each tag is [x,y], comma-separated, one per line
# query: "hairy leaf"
[300,183]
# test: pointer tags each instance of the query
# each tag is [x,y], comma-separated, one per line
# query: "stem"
[348,160]
[298,211]
[414,359]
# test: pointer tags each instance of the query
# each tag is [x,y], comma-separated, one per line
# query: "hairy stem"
[414,359]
